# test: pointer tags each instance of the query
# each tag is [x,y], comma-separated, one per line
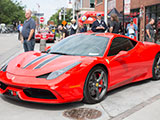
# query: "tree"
[55,17]
[11,12]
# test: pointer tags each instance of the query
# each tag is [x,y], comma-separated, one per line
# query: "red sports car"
[80,67]
[44,34]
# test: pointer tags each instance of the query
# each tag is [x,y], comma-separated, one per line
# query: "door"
[124,58]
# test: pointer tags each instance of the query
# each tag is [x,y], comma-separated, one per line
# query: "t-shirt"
[65,31]
[151,30]
[20,29]
[116,26]
[27,26]
[131,30]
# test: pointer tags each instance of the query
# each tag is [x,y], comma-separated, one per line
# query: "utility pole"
[73,6]
[123,19]
[106,11]
[64,17]
[63,12]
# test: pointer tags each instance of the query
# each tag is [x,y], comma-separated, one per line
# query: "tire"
[96,85]
[156,68]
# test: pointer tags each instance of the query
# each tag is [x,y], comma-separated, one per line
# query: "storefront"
[154,12]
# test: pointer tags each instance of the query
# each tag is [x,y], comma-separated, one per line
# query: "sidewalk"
[149,112]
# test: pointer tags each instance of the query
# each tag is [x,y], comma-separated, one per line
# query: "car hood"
[35,63]
[44,33]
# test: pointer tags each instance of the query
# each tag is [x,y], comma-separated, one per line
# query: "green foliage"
[55,17]
[11,12]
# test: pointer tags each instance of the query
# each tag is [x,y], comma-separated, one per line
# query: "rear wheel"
[95,87]
[156,67]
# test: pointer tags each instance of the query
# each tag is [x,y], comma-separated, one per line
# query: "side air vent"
[3,86]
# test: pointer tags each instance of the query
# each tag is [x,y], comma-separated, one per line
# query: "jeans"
[29,45]
[150,39]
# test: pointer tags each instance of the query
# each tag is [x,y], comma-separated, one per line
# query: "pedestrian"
[73,27]
[28,32]
[69,27]
[63,32]
[0,28]
[20,30]
[115,26]
[150,34]
[82,28]
[131,29]
[99,25]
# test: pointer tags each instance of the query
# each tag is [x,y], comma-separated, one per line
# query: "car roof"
[109,35]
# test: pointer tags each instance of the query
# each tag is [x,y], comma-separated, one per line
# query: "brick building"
[84,5]
[150,8]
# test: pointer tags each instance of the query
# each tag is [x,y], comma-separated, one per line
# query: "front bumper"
[41,93]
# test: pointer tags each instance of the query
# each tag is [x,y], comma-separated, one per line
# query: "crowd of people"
[114,26]
[99,25]
[71,28]
[67,29]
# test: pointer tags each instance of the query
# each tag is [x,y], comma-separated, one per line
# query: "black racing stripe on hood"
[47,61]
[35,60]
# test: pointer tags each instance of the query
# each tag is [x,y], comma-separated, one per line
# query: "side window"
[121,44]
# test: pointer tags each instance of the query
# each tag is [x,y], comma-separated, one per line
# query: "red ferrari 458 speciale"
[80,67]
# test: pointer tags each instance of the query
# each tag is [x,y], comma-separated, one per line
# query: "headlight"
[55,74]
[4,67]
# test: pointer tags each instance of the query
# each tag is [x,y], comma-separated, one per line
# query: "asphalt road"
[118,104]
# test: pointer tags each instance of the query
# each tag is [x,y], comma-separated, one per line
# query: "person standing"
[20,30]
[150,31]
[82,28]
[73,27]
[131,29]
[63,32]
[69,27]
[114,25]
[99,25]
[28,32]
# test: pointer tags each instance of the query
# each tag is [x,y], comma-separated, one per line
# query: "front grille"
[3,86]
[39,93]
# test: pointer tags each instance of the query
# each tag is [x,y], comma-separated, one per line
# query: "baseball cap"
[131,20]
[98,14]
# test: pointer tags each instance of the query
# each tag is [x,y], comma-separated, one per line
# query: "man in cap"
[99,25]
[131,29]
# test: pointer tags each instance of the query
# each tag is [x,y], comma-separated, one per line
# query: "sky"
[48,7]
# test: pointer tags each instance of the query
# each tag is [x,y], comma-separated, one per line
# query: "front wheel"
[156,67]
[96,84]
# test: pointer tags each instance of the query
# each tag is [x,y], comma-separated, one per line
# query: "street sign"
[64,22]
[127,5]
[41,19]
[38,14]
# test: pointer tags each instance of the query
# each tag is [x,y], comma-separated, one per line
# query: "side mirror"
[121,54]
[47,49]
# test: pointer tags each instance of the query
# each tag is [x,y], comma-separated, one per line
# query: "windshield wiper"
[59,53]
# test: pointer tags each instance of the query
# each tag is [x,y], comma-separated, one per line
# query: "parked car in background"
[44,34]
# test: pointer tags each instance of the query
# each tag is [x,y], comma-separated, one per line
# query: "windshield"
[44,31]
[81,45]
